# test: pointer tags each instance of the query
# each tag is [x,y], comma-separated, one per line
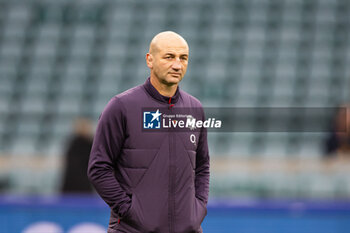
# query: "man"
[152,181]
[77,157]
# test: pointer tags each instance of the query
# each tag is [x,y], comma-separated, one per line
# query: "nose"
[176,64]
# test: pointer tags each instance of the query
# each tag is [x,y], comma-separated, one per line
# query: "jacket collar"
[152,91]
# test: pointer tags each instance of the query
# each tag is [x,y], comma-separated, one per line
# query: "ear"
[149,60]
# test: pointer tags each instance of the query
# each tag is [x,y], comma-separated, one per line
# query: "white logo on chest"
[193,139]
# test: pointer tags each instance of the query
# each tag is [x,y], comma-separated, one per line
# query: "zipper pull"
[170,104]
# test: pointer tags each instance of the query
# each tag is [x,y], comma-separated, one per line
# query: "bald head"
[167,60]
[164,39]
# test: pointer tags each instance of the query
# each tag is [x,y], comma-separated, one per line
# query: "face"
[169,62]
[343,121]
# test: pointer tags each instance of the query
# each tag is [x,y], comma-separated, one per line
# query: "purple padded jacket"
[152,181]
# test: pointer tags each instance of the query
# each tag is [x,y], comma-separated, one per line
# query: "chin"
[173,80]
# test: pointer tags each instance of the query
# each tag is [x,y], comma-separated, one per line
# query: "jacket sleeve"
[202,167]
[108,142]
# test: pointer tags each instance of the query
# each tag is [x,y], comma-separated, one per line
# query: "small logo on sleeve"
[151,120]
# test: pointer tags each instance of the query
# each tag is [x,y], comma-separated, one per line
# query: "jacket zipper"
[171,197]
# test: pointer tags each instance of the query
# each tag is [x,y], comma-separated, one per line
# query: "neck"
[163,89]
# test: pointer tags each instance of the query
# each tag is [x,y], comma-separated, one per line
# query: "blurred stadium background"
[63,59]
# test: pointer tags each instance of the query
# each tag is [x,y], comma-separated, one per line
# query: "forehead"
[177,47]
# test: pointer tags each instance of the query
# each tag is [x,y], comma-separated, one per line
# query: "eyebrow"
[181,55]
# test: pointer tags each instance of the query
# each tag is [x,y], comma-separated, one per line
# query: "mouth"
[175,74]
